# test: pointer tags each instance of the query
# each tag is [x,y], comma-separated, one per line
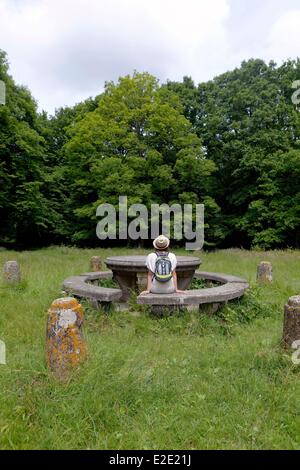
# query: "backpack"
[163,267]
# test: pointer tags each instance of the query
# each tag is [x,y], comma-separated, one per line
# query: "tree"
[136,143]
[232,143]
[250,129]
[26,214]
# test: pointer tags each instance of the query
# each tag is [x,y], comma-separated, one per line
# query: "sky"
[65,50]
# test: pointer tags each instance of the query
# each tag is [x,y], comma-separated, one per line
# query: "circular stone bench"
[81,286]
[232,288]
[219,277]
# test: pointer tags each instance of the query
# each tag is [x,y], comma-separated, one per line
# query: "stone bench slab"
[218,294]
[80,287]
[219,277]
[232,288]
[95,276]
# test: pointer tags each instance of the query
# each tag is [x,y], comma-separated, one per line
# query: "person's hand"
[178,291]
[145,292]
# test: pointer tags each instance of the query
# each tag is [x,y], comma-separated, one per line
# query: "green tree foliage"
[232,143]
[136,143]
[54,130]
[26,213]
[250,129]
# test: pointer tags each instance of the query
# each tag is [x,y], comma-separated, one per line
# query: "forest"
[232,144]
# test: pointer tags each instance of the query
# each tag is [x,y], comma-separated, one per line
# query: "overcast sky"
[64,50]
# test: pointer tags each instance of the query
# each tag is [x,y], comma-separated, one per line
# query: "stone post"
[95,264]
[66,346]
[264,272]
[12,272]
[291,323]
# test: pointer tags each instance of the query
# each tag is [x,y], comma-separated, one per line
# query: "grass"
[185,382]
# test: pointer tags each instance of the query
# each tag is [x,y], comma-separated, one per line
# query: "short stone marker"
[264,272]
[12,272]
[95,264]
[66,346]
[291,324]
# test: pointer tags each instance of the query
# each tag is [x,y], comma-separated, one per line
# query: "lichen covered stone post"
[264,272]
[291,323]
[96,264]
[66,346]
[12,272]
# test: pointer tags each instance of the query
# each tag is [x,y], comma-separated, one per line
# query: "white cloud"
[64,50]
[283,41]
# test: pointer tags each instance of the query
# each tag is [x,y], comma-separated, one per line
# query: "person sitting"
[161,264]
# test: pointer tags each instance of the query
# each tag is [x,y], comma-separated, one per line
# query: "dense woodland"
[232,143]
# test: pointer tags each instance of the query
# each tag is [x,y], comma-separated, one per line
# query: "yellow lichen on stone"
[66,346]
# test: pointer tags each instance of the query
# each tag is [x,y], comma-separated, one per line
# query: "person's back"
[161,264]
[153,263]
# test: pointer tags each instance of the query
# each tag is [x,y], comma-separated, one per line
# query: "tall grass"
[188,381]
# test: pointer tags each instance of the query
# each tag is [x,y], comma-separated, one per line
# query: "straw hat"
[161,242]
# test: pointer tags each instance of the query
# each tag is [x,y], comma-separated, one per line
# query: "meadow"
[188,381]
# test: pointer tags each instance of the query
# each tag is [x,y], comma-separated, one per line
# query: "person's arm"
[149,283]
[174,274]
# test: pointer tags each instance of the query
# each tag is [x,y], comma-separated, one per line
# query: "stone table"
[130,272]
